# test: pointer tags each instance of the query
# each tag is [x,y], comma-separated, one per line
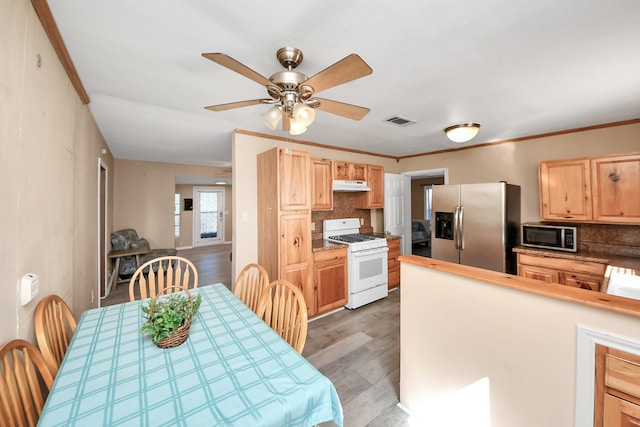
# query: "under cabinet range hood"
[342,185]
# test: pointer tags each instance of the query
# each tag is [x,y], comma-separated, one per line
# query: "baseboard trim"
[329,313]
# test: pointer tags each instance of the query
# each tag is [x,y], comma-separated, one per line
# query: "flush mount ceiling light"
[292,94]
[463,132]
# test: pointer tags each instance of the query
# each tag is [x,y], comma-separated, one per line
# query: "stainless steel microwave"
[546,236]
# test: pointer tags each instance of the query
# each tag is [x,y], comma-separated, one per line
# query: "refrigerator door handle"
[461,227]
[456,230]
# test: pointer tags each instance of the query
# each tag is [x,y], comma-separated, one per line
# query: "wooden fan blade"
[231,105]
[349,68]
[349,111]
[233,65]
[286,122]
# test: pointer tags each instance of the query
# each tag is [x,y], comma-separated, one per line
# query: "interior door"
[397,208]
[208,216]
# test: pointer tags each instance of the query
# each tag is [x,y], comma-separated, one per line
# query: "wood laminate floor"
[358,350]
[212,262]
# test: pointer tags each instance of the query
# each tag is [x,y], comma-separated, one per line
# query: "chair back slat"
[54,326]
[25,382]
[161,273]
[249,285]
[282,306]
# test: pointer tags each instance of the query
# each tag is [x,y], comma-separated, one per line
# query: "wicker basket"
[181,334]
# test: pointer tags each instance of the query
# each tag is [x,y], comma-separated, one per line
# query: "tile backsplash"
[621,240]
[342,208]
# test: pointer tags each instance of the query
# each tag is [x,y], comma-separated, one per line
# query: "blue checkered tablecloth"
[232,371]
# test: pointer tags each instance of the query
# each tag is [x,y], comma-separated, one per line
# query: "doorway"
[414,204]
[208,216]
[104,285]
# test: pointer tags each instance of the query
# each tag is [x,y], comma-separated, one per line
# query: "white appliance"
[367,260]
[339,185]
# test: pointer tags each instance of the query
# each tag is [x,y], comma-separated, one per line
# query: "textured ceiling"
[517,67]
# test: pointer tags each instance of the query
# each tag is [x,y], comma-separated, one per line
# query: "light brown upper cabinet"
[616,189]
[349,171]
[321,185]
[565,190]
[294,183]
[594,189]
[375,198]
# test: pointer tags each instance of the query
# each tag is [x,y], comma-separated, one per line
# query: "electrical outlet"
[361,221]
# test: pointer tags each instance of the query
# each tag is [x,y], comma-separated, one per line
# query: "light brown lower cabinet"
[394,263]
[578,274]
[617,397]
[330,274]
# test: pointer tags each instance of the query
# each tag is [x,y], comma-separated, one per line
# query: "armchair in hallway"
[129,252]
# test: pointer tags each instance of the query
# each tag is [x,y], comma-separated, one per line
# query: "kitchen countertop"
[587,256]
[318,245]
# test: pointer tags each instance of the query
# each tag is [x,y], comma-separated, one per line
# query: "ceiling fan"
[291,93]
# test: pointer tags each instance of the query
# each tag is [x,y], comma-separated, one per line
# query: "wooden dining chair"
[249,285]
[159,273]
[283,307]
[54,325]
[25,382]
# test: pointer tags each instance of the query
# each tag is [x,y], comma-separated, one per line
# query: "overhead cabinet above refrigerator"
[476,225]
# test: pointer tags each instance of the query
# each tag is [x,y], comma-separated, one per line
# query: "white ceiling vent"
[400,121]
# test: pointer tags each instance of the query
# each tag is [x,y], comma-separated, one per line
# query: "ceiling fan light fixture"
[304,114]
[297,126]
[463,132]
[271,117]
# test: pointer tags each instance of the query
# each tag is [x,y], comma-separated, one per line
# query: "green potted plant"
[168,319]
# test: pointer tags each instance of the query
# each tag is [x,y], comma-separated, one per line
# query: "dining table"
[233,370]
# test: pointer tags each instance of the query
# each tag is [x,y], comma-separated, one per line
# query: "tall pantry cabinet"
[284,218]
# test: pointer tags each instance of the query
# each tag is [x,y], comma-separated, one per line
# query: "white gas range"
[367,260]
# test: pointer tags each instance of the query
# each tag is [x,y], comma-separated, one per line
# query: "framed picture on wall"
[188,204]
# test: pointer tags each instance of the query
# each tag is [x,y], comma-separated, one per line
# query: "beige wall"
[517,162]
[49,154]
[245,149]
[144,198]
[458,331]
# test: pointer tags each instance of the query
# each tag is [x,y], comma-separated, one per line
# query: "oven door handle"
[368,252]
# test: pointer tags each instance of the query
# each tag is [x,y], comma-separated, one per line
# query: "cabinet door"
[375,198]
[341,170]
[357,172]
[321,184]
[539,273]
[331,280]
[583,281]
[565,190]
[620,413]
[616,189]
[294,179]
[295,254]
[394,263]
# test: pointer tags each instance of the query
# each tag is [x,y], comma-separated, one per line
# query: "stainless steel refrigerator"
[476,225]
